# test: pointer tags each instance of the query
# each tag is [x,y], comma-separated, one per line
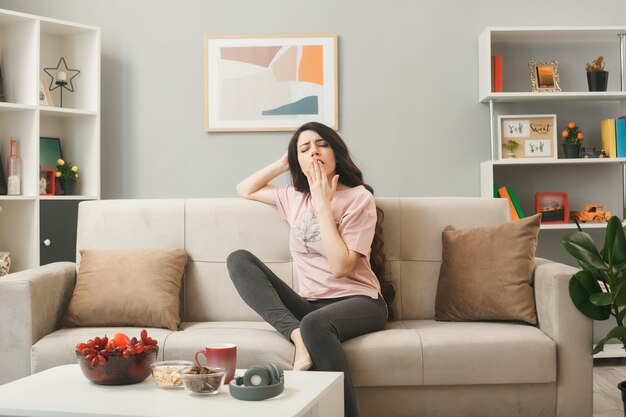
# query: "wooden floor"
[607,400]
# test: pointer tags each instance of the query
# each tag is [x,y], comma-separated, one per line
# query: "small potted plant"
[572,140]
[597,77]
[511,145]
[67,174]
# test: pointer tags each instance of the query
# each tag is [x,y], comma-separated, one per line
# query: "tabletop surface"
[64,391]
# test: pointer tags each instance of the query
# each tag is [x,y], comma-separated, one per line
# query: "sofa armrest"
[572,332]
[31,305]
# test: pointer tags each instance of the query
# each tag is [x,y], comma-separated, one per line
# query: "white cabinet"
[598,181]
[28,44]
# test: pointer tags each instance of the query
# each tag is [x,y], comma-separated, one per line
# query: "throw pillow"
[487,272]
[132,287]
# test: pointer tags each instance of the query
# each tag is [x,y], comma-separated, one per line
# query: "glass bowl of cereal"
[203,380]
[167,374]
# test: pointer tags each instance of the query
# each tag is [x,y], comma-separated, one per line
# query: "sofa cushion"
[257,342]
[392,357]
[209,293]
[456,353]
[128,287]
[59,348]
[486,272]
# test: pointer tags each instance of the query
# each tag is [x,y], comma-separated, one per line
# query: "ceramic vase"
[622,388]
[597,80]
[68,187]
[571,151]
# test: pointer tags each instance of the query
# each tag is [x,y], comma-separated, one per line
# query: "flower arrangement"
[596,65]
[572,135]
[66,171]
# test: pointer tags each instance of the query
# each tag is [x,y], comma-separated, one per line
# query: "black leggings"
[324,324]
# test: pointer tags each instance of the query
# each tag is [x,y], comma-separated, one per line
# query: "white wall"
[407,87]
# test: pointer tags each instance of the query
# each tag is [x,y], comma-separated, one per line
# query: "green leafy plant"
[598,289]
[511,145]
[572,135]
[66,171]
[596,65]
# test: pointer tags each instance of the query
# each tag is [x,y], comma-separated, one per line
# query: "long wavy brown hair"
[351,176]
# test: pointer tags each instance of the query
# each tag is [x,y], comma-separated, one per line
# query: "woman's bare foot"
[301,359]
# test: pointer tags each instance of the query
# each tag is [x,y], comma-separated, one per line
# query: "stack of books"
[514,207]
[613,133]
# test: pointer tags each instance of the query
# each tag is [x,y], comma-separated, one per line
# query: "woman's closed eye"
[319,142]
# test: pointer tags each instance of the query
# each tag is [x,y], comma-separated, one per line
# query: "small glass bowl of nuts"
[167,374]
[203,380]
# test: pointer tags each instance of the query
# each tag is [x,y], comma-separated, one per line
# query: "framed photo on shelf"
[47,181]
[527,136]
[45,98]
[544,76]
[553,207]
[269,82]
[49,152]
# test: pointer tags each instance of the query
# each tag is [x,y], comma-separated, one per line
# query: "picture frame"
[49,152]
[47,181]
[553,207]
[544,76]
[270,82]
[45,98]
[534,134]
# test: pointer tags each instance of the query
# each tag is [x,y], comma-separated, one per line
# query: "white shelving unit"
[600,181]
[585,180]
[28,44]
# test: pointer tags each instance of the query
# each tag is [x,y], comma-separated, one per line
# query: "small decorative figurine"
[592,212]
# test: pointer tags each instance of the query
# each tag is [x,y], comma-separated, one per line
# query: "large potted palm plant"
[597,290]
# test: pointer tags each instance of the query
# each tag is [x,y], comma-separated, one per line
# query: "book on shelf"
[496,73]
[620,136]
[607,131]
[515,202]
[503,193]
[511,196]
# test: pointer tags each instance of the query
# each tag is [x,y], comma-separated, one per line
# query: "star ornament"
[61,76]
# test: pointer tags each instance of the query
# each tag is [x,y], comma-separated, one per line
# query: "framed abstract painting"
[269,82]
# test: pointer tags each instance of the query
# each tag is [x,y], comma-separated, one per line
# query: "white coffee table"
[64,391]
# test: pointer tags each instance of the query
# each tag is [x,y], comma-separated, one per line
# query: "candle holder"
[60,78]
[61,84]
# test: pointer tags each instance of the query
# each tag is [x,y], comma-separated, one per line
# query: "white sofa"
[416,367]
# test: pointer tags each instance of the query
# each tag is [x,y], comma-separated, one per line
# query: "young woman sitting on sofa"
[336,243]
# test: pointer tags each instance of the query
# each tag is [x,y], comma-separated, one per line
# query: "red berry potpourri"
[97,350]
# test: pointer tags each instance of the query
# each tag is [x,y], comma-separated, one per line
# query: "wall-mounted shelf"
[554,96]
